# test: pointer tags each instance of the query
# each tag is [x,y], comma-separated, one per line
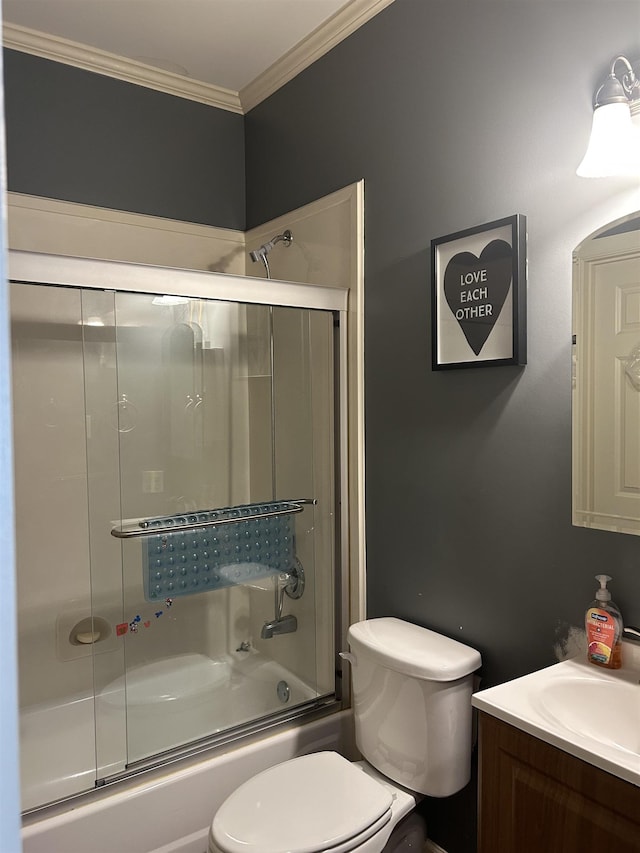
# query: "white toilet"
[412,708]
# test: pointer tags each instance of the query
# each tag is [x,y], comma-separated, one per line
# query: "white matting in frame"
[479,296]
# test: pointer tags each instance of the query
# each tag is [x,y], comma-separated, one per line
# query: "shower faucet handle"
[294,586]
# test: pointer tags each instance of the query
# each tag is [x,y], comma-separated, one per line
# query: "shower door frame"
[124,277]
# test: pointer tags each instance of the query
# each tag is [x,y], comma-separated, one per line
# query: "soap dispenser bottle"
[603,623]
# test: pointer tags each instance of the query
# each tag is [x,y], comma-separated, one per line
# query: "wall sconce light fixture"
[614,146]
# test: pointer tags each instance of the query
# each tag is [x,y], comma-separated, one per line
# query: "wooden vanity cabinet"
[535,798]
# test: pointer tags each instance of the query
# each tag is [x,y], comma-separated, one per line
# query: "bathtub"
[187,697]
[168,702]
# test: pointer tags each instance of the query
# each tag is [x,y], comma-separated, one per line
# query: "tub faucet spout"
[283,625]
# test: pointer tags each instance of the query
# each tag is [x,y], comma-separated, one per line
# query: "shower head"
[261,253]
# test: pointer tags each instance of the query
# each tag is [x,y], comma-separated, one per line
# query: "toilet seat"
[319,802]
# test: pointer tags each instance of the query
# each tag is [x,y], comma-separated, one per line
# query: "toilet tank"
[412,704]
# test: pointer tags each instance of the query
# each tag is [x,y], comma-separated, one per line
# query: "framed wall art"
[479,296]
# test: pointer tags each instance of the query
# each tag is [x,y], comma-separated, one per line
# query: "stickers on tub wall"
[140,621]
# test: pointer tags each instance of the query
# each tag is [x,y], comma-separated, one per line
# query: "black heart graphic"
[476,288]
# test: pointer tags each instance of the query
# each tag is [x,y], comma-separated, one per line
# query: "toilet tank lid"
[412,650]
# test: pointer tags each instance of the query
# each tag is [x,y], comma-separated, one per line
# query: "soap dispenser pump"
[603,623]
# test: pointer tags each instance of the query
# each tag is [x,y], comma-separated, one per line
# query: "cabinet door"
[534,797]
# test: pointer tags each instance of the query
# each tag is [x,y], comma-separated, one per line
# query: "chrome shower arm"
[260,254]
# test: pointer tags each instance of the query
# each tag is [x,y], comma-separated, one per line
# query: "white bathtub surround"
[171,812]
[328,250]
[66,676]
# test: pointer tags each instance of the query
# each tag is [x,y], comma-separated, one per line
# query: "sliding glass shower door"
[57,731]
[176,457]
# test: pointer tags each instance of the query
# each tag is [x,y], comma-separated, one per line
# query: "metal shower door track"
[36,268]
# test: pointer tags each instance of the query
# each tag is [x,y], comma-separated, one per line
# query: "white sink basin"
[590,712]
[605,710]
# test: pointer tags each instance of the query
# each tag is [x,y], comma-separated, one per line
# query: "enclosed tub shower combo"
[178,438]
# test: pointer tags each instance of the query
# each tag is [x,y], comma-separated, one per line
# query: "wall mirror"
[606,378]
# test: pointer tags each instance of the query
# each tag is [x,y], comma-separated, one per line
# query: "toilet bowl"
[412,711]
[317,802]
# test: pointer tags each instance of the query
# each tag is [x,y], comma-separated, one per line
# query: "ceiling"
[225,43]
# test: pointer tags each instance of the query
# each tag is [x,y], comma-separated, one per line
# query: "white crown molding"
[109,64]
[320,41]
[305,53]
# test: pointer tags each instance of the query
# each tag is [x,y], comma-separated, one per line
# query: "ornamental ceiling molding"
[111,65]
[337,28]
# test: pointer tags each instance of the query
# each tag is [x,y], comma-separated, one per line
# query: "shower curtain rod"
[190,521]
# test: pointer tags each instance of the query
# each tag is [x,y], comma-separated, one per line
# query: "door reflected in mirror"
[606,378]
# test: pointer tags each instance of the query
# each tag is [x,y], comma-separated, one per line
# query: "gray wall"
[457,113]
[85,138]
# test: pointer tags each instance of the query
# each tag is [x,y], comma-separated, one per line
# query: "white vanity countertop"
[585,710]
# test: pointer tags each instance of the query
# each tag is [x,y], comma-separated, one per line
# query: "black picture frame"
[479,296]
